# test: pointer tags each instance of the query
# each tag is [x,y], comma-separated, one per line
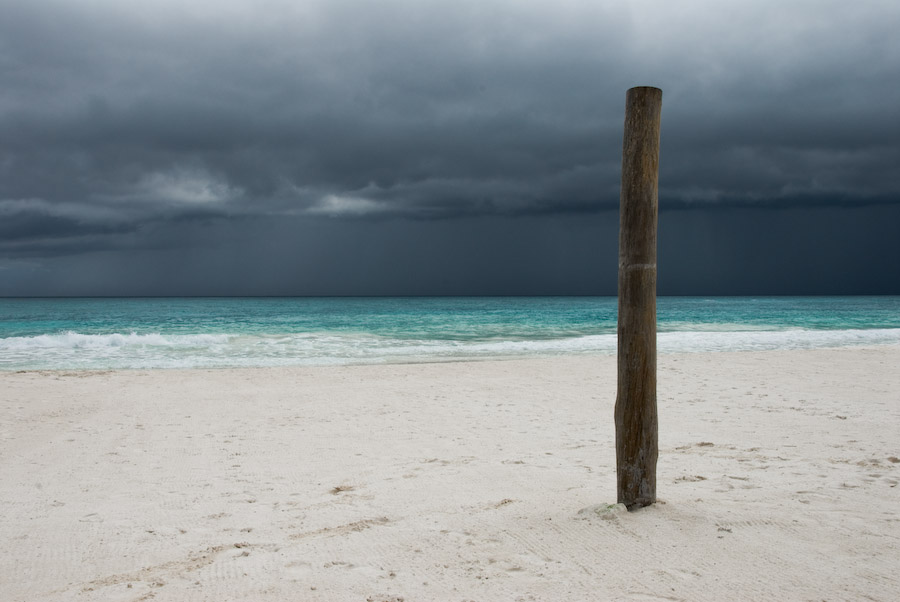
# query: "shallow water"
[221,332]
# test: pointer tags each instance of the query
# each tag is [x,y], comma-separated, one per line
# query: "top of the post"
[645,90]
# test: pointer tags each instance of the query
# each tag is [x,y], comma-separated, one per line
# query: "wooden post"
[636,417]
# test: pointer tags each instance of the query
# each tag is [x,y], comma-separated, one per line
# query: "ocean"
[151,333]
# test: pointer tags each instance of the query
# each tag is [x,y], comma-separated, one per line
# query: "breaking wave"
[73,350]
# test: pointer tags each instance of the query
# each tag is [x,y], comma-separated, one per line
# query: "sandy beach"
[477,481]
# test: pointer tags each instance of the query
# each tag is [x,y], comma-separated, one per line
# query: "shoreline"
[451,360]
[451,480]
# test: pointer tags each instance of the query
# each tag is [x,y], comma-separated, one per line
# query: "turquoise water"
[221,332]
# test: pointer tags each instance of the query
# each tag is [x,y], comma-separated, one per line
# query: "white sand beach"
[777,480]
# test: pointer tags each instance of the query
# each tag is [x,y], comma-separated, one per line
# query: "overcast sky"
[466,147]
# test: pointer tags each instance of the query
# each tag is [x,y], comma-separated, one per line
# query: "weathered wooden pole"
[636,417]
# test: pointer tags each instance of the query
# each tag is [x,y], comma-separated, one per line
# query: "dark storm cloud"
[129,126]
[429,110]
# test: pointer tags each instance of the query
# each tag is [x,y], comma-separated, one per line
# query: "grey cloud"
[119,123]
[744,250]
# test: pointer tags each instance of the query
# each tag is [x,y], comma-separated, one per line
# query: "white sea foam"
[75,340]
[154,350]
[673,342]
[114,350]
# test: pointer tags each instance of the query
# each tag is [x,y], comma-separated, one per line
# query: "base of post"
[637,505]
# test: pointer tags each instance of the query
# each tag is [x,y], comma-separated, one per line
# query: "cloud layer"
[120,121]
